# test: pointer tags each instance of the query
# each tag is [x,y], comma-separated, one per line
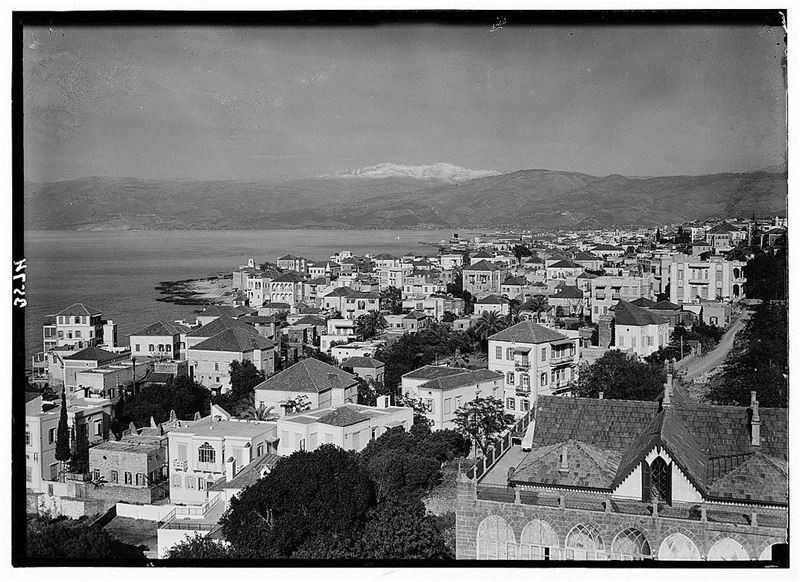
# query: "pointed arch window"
[538,542]
[630,544]
[661,479]
[206,453]
[496,539]
[584,543]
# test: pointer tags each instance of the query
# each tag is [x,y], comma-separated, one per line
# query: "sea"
[117,271]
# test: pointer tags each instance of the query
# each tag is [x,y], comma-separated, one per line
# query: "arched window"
[496,539]
[584,543]
[630,544]
[538,542]
[767,553]
[206,453]
[661,478]
[727,549]
[678,547]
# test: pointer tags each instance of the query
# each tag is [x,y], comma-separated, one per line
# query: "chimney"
[564,466]
[382,402]
[153,422]
[667,401]
[755,421]
[600,396]
[230,469]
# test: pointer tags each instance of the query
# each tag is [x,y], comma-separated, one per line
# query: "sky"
[275,103]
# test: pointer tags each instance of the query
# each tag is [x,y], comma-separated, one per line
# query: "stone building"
[599,479]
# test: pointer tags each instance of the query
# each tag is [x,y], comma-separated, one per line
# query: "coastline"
[213,289]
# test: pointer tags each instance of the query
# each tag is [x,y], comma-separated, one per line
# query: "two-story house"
[483,278]
[159,339]
[639,329]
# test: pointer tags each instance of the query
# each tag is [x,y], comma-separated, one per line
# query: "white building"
[716,279]
[160,339]
[638,329]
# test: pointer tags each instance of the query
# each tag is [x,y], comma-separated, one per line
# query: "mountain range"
[395,196]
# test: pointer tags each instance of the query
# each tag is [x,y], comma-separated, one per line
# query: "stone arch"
[538,541]
[766,553]
[496,540]
[678,546]
[631,544]
[727,549]
[584,542]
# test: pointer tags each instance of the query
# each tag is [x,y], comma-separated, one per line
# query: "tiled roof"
[249,474]
[588,466]
[236,339]
[665,306]
[430,372]
[464,379]
[350,292]
[308,375]
[310,320]
[78,309]
[362,362]
[767,476]
[482,254]
[625,313]
[569,293]
[528,332]
[494,300]
[604,247]
[565,264]
[258,319]
[521,281]
[643,302]
[93,354]
[162,328]
[290,277]
[343,416]
[224,311]
[482,266]
[217,326]
[586,256]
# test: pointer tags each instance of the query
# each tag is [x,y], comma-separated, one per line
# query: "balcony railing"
[523,390]
[561,359]
[180,465]
[522,363]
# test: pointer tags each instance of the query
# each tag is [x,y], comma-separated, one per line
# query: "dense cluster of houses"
[569,297]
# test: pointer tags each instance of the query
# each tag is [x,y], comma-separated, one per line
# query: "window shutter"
[646,482]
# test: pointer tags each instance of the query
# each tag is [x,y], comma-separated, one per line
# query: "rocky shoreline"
[214,289]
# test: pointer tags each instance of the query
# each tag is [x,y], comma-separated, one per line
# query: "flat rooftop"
[224,428]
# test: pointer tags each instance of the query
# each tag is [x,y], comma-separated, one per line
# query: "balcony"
[180,465]
[522,364]
[523,390]
[562,359]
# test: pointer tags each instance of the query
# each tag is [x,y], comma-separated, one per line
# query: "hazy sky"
[214,103]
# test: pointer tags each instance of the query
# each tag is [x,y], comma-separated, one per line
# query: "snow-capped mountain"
[441,171]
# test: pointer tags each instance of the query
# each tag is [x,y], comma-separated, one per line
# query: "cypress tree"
[62,438]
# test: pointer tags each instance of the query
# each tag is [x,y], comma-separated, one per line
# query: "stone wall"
[472,511]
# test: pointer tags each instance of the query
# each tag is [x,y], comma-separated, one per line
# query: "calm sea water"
[116,272]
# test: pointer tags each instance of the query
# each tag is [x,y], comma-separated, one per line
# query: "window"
[448,403]
[28,474]
[28,438]
[510,378]
[538,542]
[727,549]
[526,381]
[140,479]
[260,449]
[429,404]
[206,453]
[678,547]
[510,403]
[661,476]
[191,482]
[543,379]
[544,354]
[77,319]
[181,452]
[216,366]
[77,333]
[525,405]
[138,349]
[128,478]
[160,347]
[151,348]
[496,539]
[114,477]
[498,353]
[51,436]
[458,402]
[584,543]
[630,544]
[168,348]
[98,428]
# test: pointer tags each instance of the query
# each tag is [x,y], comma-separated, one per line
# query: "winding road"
[695,366]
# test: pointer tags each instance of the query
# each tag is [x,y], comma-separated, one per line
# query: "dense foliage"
[244,377]
[767,277]
[71,539]
[620,376]
[370,324]
[482,419]
[759,361]
[181,394]
[707,335]
[62,432]
[391,300]
[413,350]
[200,547]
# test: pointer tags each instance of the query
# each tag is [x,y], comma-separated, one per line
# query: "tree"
[620,376]
[767,277]
[482,420]
[391,299]
[538,303]
[448,317]
[759,361]
[521,251]
[488,324]
[181,394]
[369,389]
[253,412]
[445,445]
[324,494]
[658,235]
[63,449]
[299,403]
[370,324]
[200,547]
[244,377]
[399,529]
[456,287]
[65,538]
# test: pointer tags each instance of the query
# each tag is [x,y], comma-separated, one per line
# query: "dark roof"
[310,320]
[528,332]
[569,293]
[757,472]
[483,254]
[308,375]
[276,305]
[156,377]
[494,299]
[589,466]
[385,257]
[93,354]
[464,379]
[482,266]
[249,474]
[219,325]
[586,256]
[515,281]
[604,247]
[289,277]
[258,319]
[429,372]
[566,264]
[350,292]
[362,362]
[665,306]
[161,328]
[343,416]
[625,313]
[78,309]
[643,302]
[225,311]
[236,339]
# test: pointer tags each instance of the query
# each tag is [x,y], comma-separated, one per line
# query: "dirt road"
[697,366]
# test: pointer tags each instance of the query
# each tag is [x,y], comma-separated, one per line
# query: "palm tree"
[370,324]
[457,360]
[538,303]
[249,411]
[488,324]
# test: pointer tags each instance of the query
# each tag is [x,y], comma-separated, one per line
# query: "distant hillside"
[441,171]
[527,198]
